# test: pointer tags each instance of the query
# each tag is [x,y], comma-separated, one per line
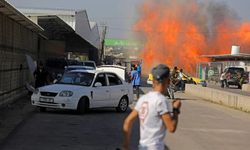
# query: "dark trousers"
[137,91]
[223,83]
[182,85]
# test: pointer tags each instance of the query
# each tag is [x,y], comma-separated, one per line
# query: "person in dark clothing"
[41,76]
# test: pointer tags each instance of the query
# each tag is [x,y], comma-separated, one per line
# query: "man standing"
[180,79]
[138,67]
[174,73]
[41,76]
[223,79]
[154,113]
[136,81]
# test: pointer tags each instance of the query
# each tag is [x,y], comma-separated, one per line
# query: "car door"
[116,88]
[100,94]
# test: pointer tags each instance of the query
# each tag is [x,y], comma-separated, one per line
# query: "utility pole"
[104,32]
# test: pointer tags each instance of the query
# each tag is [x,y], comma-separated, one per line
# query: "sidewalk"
[231,89]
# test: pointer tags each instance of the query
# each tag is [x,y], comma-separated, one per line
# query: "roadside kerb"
[232,100]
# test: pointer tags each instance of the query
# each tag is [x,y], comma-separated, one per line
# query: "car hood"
[61,87]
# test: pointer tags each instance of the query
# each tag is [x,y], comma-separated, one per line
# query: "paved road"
[203,126]
[97,130]
[207,126]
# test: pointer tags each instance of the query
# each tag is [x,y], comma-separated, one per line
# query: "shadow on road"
[90,112]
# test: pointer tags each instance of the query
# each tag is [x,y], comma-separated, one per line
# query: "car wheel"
[83,106]
[123,105]
[42,109]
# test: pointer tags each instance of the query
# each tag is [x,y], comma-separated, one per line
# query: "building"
[69,30]
[212,69]
[122,50]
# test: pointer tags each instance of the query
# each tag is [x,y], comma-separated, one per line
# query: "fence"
[15,42]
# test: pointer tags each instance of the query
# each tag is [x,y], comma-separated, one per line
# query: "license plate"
[46,100]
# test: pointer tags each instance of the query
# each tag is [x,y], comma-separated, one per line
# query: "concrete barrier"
[246,87]
[229,99]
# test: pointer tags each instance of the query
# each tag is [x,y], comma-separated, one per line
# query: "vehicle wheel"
[123,105]
[42,109]
[83,106]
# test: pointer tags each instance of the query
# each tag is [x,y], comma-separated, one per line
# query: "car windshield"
[77,78]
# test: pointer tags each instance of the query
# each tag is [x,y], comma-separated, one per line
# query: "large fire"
[178,32]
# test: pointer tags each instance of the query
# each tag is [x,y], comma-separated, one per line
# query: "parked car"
[84,89]
[236,76]
[121,71]
[88,63]
[56,66]
[77,67]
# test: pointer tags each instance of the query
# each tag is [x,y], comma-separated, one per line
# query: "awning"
[55,27]
[14,14]
[229,57]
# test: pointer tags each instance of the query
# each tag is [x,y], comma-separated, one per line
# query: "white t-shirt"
[150,107]
[180,76]
[223,76]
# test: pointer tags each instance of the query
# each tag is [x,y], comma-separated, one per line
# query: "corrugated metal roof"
[46,11]
[54,24]
[14,14]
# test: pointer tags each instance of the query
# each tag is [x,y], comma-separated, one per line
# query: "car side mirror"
[98,84]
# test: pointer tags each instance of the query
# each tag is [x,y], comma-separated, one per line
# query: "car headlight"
[66,94]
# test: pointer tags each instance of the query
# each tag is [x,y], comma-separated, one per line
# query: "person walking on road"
[136,81]
[154,113]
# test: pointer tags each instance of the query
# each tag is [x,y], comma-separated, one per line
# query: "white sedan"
[84,89]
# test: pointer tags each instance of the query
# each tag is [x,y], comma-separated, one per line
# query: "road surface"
[202,126]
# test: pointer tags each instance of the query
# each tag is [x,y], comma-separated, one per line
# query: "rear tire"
[83,106]
[123,105]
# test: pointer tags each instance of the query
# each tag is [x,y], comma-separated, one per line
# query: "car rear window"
[235,70]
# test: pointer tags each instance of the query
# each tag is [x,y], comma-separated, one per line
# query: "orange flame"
[178,32]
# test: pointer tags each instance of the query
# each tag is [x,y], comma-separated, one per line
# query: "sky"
[118,15]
